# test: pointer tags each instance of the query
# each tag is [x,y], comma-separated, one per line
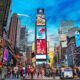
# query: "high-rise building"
[18,34]
[4,11]
[22,38]
[13,30]
[71,32]
[40,37]
[66,25]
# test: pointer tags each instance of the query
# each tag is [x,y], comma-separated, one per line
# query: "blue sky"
[55,11]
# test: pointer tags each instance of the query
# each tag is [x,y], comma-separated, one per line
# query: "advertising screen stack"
[40,37]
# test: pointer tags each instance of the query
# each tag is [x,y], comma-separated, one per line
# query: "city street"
[39,39]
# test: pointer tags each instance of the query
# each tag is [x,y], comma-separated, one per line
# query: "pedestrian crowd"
[17,72]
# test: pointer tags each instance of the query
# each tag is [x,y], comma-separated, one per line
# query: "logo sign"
[40,11]
[5,55]
[40,20]
[41,47]
[77,38]
[41,32]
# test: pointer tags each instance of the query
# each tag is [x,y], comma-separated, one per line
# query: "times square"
[39,40]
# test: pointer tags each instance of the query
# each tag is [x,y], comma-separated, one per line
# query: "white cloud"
[26,15]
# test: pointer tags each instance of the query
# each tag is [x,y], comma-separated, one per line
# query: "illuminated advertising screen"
[41,32]
[9,58]
[5,55]
[41,47]
[77,38]
[40,20]
[1,54]
[40,62]
[40,56]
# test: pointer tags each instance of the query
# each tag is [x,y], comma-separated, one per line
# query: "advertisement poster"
[1,54]
[77,39]
[40,20]
[5,55]
[9,58]
[40,56]
[41,47]
[41,32]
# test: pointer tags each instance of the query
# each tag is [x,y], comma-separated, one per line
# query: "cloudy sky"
[55,11]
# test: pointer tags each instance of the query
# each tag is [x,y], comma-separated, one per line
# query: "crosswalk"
[39,78]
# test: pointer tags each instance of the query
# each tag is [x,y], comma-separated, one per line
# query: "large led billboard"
[1,54]
[40,62]
[5,55]
[41,32]
[40,19]
[40,56]
[77,38]
[41,47]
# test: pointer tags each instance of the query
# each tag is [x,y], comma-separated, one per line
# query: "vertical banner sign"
[41,47]
[1,56]
[77,38]
[40,37]
[5,55]
[9,58]
[40,17]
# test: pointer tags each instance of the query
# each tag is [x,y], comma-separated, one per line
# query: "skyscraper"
[66,25]
[22,38]
[18,34]
[13,30]
[4,11]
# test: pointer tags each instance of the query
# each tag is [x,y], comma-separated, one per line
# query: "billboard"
[9,58]
[41,47]
[40,56]
[41,32]
[5,57]
[1,54]
[40,62]
[40,19]
[77,38]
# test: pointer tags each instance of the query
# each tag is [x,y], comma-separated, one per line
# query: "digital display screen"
[41,47]
[5,55]
[40,56]
[77,38]
[41,32]
[40,20]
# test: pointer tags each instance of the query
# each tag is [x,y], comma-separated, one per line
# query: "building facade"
[66,25]
[22,38]
[13,30]
[4,11]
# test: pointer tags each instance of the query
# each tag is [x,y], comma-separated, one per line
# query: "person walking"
[15,74]
[37,72]
[32,72]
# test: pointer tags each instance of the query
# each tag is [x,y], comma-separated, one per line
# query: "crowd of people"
[31,71]
[17,72]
